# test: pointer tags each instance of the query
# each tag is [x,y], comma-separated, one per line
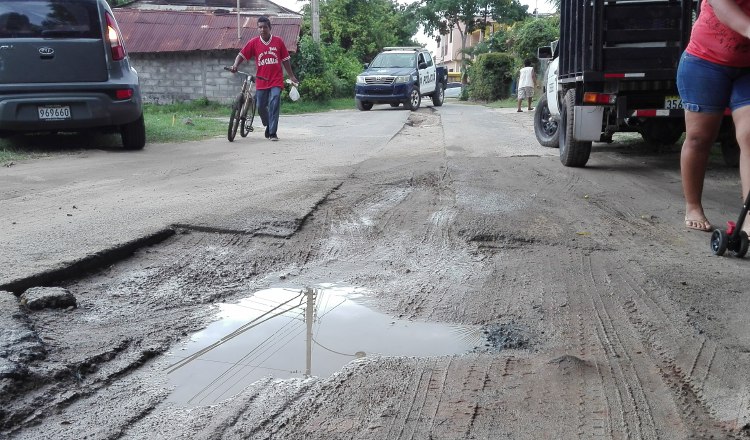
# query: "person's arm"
[237,62]
[732,16]
[288,68]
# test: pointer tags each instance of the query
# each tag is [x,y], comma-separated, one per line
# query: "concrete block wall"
[172,77]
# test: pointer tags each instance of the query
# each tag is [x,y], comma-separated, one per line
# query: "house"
[180,47]
[449,50]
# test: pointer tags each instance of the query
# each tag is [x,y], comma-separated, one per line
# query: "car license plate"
[54,112]
[672,103]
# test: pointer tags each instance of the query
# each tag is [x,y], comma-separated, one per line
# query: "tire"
[234,118]
[661,132]
[573,153]
[719,242]
[133,135]
[744,244]
[246,122]
[363,105]
[546,127]
[438,97]
[730,151]
[415,99]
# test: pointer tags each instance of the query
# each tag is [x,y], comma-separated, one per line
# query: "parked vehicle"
[453,90]
[614,70]
[401,75]
[64,68]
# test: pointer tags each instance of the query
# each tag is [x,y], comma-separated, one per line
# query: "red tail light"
[115,40]
[121,94]
[599,98]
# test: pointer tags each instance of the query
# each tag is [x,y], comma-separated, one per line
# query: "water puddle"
[267,335]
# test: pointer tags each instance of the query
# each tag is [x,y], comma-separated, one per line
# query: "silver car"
[64,68]
[453,90]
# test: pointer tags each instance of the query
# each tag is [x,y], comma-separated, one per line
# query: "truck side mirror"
[422,65]
[544,53]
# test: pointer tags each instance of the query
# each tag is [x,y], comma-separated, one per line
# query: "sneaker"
[273,137]
[268,136]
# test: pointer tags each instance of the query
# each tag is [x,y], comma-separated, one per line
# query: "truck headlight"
[360,79]
[402,79]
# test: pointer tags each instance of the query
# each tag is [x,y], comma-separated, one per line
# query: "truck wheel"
[439,96]
[730,151]
[414,99]
[661,132]
[545,125]
[363,105]
[573,153]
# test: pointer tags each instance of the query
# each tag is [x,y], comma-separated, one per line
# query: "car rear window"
[49,19]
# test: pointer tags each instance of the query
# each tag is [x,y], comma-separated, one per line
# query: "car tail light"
[599,98]
[115,39]
[121,94]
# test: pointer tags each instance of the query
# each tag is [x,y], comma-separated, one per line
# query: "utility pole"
[310,293]
[315,12]
[239,35]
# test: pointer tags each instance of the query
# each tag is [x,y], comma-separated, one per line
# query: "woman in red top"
[714,74]
[270,54]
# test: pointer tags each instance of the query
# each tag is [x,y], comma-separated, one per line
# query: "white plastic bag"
[294,93]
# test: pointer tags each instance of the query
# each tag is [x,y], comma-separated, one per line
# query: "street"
[588,309]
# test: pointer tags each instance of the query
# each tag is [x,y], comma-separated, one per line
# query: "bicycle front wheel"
[248,113]
[234,118]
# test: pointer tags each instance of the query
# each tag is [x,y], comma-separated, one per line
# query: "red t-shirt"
[714,41]
[268,58]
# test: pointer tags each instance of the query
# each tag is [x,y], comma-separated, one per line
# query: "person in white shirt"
[526,85]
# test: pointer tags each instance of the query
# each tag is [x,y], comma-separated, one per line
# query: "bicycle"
[243,108]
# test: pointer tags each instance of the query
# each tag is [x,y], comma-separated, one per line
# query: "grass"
[181,122]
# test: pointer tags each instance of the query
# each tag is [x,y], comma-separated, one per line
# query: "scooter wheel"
[743,245]
[719,242]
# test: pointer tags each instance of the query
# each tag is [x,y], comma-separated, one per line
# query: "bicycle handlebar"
[249,75]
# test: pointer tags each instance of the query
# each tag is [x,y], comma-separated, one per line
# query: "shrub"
[491,75]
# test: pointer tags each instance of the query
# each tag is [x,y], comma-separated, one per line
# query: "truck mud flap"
[588,123]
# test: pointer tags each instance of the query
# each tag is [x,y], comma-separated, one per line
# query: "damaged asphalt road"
[602,317]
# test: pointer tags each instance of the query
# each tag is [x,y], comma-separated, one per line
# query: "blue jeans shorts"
[708,87]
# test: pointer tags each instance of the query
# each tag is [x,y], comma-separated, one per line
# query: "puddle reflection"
[267,335]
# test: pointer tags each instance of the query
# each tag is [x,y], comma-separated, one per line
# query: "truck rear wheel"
[573,153]
[439,96]
[363,105]
[414,99]
[546,126]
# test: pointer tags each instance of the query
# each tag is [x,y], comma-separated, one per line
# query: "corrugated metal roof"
[149,31]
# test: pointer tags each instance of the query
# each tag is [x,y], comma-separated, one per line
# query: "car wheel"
[439,96]
[133,135]
[415,99]
[363,105]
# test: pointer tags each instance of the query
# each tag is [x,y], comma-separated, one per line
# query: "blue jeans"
[708,87]
[269,104]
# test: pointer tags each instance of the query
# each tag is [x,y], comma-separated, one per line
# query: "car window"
[427,59]
[394,60]
[49,19]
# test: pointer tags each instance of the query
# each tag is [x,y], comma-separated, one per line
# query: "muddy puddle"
[295,333]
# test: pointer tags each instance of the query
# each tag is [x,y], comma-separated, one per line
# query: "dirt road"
[603,316]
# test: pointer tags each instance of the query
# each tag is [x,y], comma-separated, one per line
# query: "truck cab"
[400,75]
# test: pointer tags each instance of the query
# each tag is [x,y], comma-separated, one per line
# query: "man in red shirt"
[270,54]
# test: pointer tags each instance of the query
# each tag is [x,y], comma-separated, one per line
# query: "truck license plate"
[54,112]
[672,103]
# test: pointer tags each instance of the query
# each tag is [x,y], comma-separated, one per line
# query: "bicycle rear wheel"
[234,118]
[246,126]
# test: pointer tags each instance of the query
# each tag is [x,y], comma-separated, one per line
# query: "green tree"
[443,16]
[526,37]
[364,27]
[491,76]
